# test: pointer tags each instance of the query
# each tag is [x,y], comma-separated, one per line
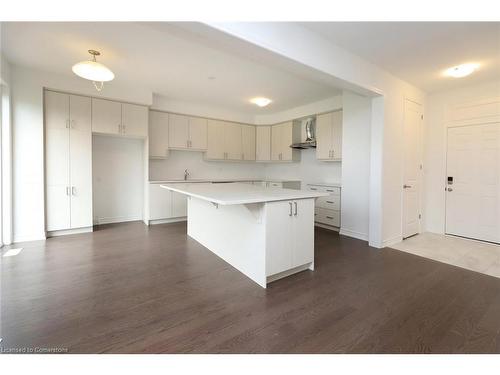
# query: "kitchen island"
[265,233]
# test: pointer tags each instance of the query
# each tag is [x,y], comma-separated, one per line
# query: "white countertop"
[199,180]
[229,194]
[334,184]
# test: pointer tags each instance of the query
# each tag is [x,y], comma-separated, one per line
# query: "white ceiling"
[163,58]
[418,52]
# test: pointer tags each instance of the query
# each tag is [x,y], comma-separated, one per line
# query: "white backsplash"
[308,170]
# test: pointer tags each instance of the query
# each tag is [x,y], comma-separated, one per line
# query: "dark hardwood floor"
[131,289]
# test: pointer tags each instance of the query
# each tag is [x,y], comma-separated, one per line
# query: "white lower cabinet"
[68,161]
[165,204]
[291,244]
[327,209]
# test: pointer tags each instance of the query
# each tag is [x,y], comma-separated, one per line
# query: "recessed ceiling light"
[260,101]
[460,71]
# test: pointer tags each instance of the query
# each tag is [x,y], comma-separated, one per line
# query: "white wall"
[163,103]
[117,179]
[301,45]
[322,106]
[5,153]
[28,147]
[178,161]
[435,148]
[356,165]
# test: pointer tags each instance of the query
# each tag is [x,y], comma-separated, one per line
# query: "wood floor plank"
[129,288]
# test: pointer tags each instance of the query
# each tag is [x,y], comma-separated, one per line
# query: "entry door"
[412,168]
[473,182]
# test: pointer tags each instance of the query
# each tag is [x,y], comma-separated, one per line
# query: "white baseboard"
[166,221]
[118,219]
[335,229]
[56,233]
[391,241]
[29,238]
[354,234]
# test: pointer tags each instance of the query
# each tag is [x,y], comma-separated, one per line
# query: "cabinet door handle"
[329,217]
[313,188]
[67,124]
[123,129]
[73,190]
[331,191]
[290,203]
[119,128]
[295,203]
[67,190]
[330,202]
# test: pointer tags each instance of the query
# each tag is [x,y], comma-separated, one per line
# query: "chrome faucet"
[186,174]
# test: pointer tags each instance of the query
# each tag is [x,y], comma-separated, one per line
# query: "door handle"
[406,186]
[449,189]
[72,124]
[67,124]
[73,190]
[67,190]
[290,203]
[295,203]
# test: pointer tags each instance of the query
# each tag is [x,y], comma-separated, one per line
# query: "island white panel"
[236,233]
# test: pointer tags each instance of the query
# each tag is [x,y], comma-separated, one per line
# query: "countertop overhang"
[231,194]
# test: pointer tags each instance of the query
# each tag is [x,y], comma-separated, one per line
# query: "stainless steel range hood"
[308,127]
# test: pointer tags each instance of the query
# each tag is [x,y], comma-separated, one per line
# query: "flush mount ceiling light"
[260,101]
[93,71]
[460,71]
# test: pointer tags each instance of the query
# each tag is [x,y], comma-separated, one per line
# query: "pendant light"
[93,71]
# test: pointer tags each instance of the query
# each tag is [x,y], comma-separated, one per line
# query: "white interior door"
[473,182]
[412,161]
[57,160]
[80,161]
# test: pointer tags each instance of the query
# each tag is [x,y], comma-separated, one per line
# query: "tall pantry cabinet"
[68,161]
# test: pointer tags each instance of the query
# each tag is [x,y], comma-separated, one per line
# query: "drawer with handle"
[333,190]
[328,217]
[332,202]
[275,184]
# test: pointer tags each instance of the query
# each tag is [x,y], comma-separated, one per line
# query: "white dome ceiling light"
[94,71]
[460,71]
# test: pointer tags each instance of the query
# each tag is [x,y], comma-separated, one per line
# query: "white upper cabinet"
[282,136]
[115,118]
[158,135]
[248,141]
[232,141]
[187,133]
[263,143]
[329,136]
[134,120]
[178,131]
[216,141]
[197,133]
[106,116]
